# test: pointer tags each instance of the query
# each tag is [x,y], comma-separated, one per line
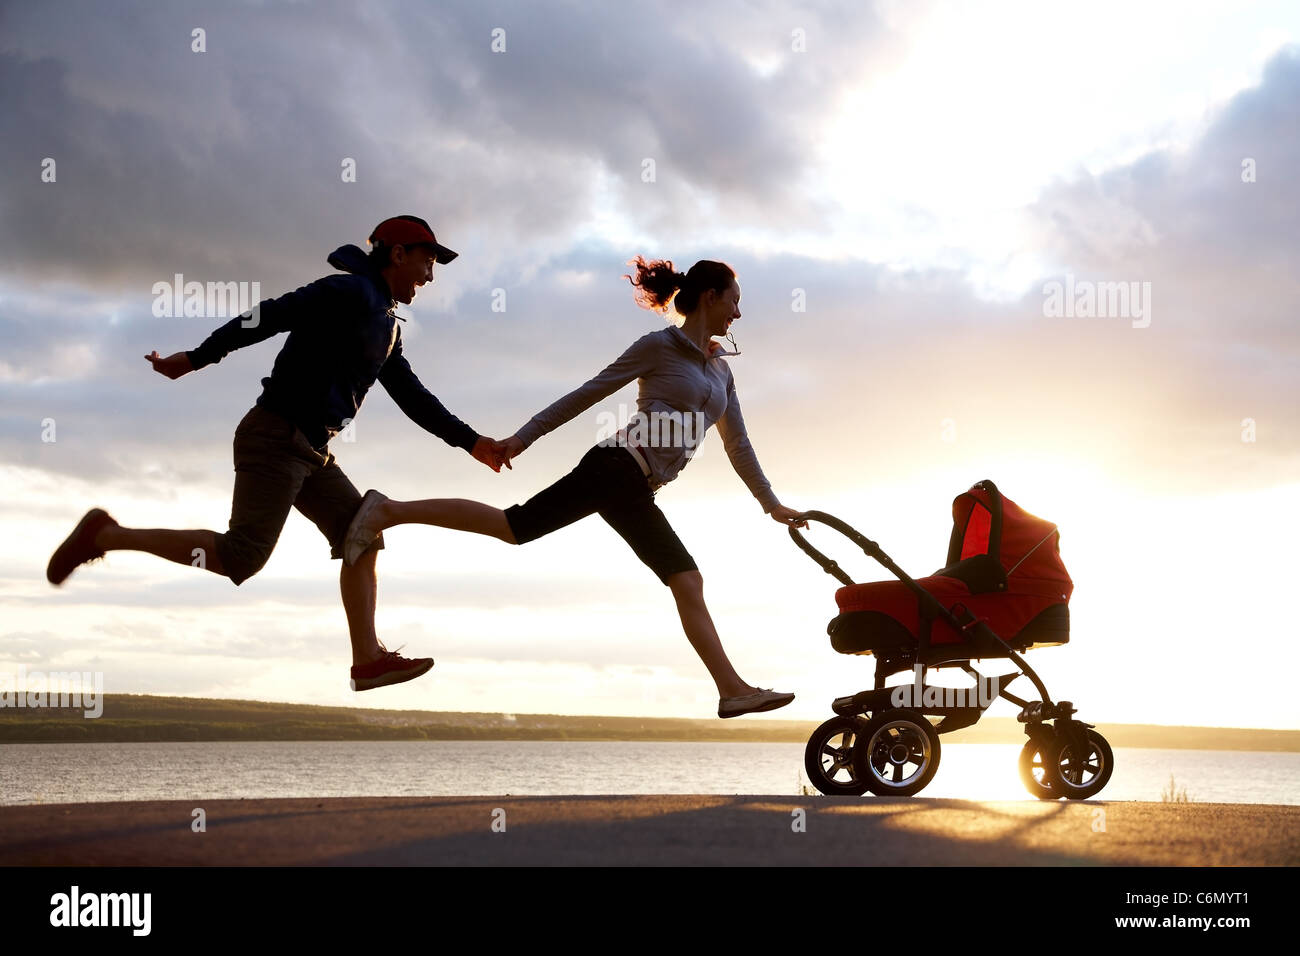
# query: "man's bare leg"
[195,548]
[359,587]
[373,665]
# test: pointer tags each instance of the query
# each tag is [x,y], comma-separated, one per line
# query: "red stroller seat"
[1004,566]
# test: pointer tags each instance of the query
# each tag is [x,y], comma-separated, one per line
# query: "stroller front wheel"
[1073,778]
[828,758]
[898,753]
[1032,772]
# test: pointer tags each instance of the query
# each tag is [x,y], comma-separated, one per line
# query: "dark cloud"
[1224,249]
[227,162]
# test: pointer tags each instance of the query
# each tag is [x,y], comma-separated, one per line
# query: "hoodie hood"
[353,259]
[350,258]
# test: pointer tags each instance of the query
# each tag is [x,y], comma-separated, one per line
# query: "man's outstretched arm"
[332,294]
[247,329]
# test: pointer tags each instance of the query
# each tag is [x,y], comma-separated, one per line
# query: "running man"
[343,337]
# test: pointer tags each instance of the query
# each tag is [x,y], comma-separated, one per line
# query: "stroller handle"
[927,599]
[870,547]
[829,565]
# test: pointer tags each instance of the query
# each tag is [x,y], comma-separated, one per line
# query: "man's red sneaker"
[78,547]
[392,668]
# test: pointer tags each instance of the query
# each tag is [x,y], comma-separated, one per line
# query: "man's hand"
[788,516]
[509,448]
[173,366]
[485,450]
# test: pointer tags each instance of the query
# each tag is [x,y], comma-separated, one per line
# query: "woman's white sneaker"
[359,537]
[763,699]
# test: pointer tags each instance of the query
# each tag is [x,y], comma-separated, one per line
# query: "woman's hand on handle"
[788,516]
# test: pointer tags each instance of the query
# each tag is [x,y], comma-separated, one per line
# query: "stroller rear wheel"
[828,758]
[1073,778]
[898,753]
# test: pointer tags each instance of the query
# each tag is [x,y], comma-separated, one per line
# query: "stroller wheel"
[1032,773]
[828,758]
[897,754]
[1078,779]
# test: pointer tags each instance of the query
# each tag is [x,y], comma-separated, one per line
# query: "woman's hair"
[658,283]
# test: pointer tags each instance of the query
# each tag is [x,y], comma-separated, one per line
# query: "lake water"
[73,773]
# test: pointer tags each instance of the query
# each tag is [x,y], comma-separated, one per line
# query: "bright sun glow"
[990,104]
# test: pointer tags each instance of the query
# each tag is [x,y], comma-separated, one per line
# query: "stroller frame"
[878,739]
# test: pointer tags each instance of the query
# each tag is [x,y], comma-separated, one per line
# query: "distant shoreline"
[135,718]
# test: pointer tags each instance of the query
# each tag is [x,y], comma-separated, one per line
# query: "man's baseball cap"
[409,231]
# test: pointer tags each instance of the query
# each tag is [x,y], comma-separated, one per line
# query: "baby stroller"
[1003,590]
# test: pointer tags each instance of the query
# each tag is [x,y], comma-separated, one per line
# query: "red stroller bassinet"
[1004,567]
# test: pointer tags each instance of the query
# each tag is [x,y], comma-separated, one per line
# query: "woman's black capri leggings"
[607,481]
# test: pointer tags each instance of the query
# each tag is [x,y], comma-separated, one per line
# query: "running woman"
[684,386]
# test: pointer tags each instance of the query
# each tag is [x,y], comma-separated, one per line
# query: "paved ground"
[649,830]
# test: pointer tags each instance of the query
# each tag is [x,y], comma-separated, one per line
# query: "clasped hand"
[494,453]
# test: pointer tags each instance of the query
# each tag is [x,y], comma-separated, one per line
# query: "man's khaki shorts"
[277,469]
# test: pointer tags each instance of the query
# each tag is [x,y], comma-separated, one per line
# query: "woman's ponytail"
[658,283]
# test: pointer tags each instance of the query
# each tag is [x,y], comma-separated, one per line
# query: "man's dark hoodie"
[343,335]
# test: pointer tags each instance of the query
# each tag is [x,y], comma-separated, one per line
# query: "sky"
[902,189]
